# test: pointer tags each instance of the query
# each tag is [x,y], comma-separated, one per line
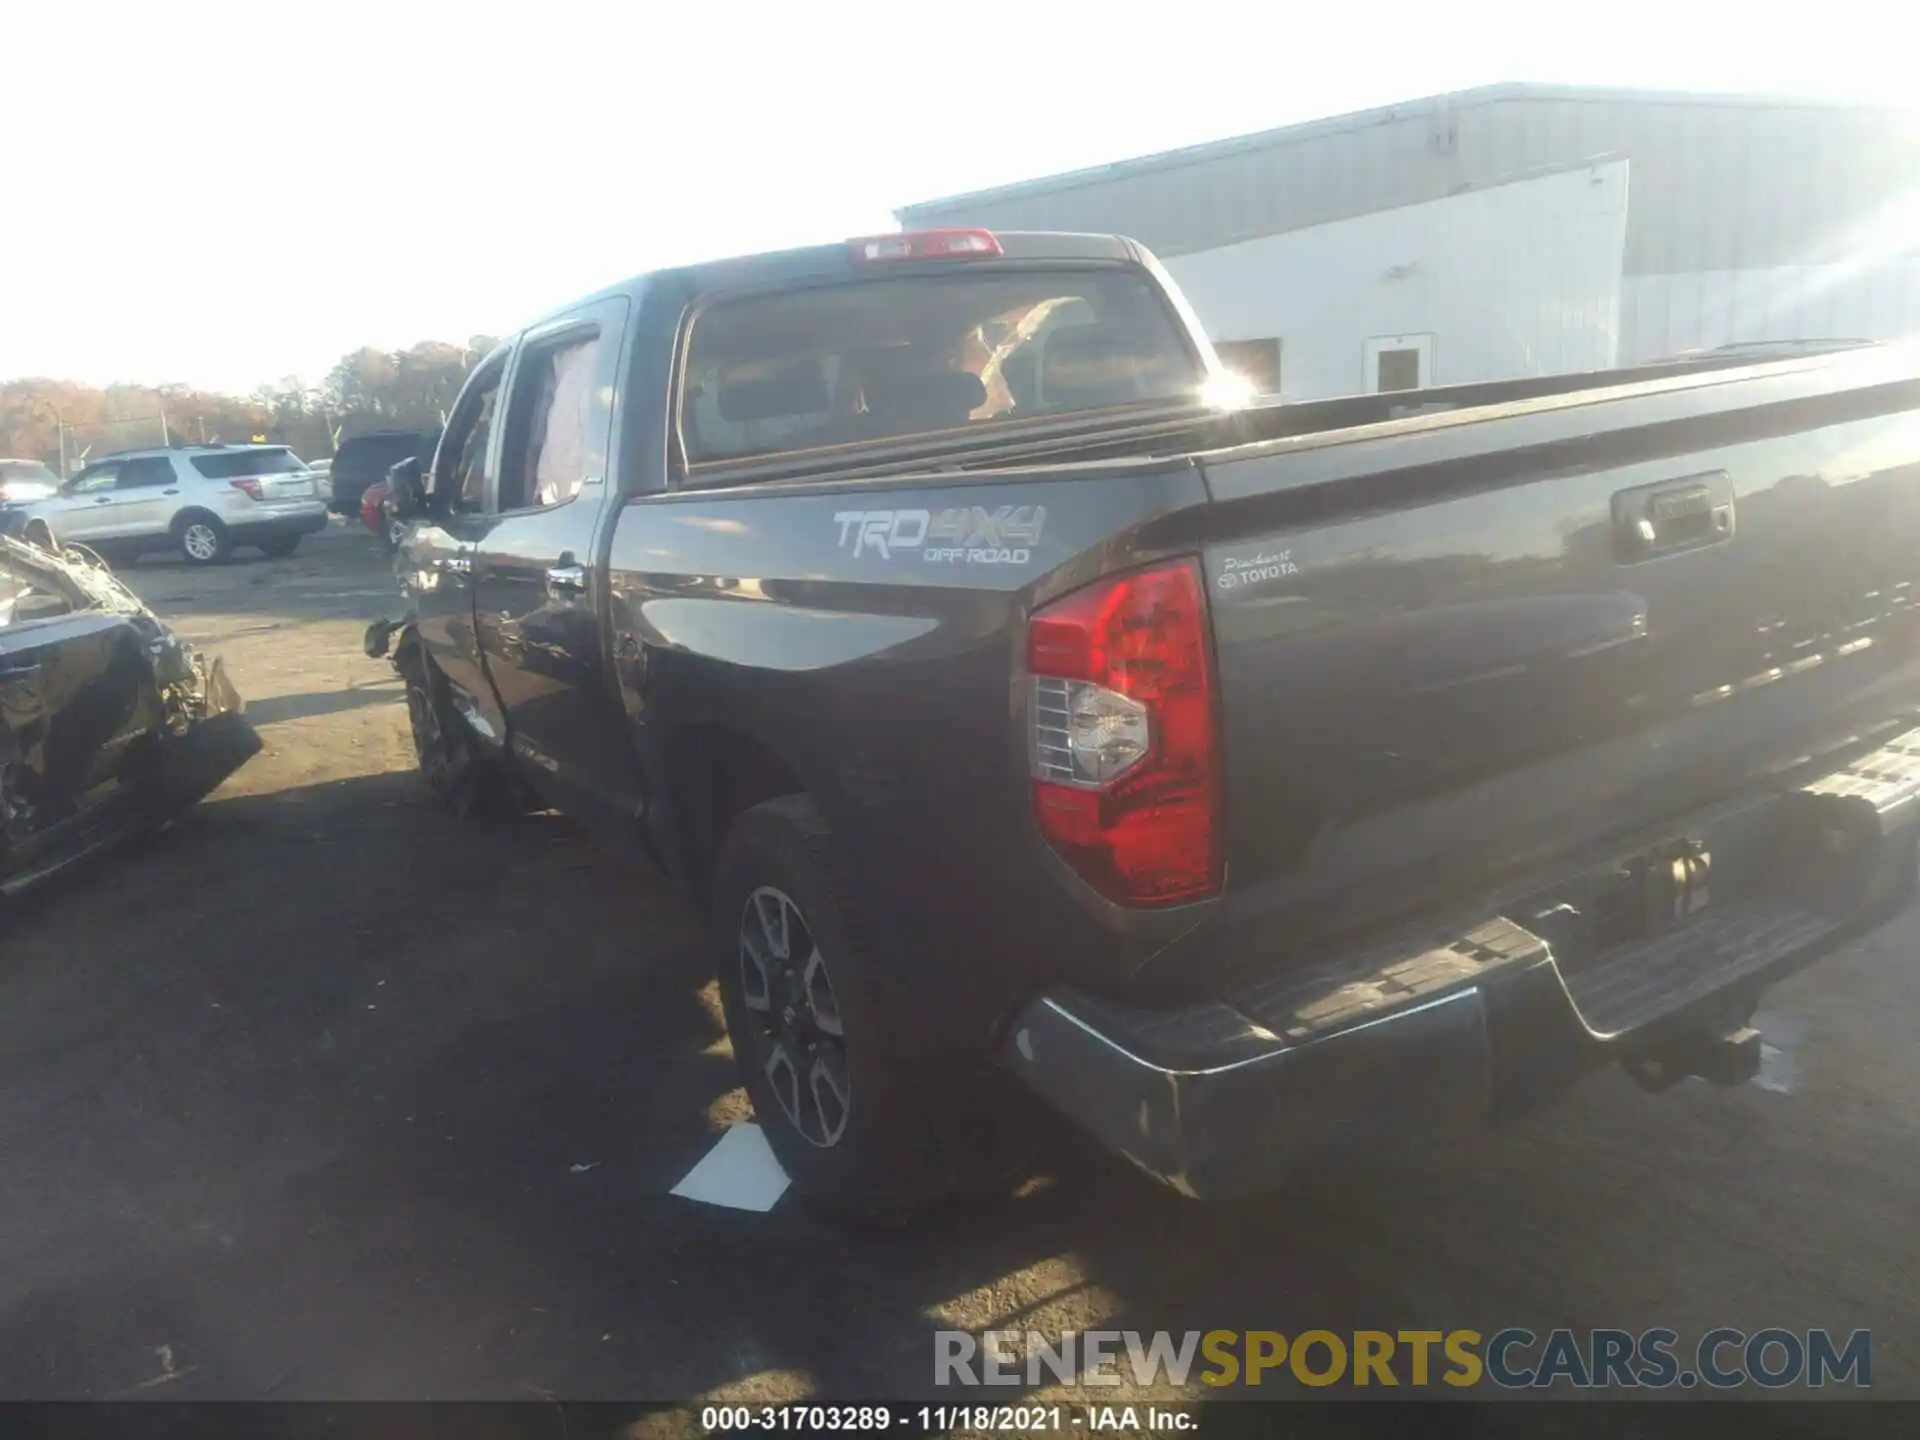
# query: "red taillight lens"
[926,245]
[251,487]
[1125,753]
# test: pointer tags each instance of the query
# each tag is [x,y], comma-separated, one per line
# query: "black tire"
[202,539]
[901,1144]
[280,546]
[470,784]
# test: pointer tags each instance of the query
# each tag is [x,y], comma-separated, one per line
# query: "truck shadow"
[381,690]
[400,1116]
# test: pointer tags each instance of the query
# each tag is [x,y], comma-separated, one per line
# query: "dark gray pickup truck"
[1249,780]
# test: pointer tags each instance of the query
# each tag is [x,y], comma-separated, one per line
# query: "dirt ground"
[322,1094]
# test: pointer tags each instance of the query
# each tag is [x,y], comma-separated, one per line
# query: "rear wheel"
[203,539]
[471,784]
[280,546]
[863,1123]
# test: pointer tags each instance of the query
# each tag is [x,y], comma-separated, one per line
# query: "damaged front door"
[76,695]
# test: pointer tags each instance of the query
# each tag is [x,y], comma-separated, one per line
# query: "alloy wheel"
[429,737]
[200,541]
[799,1038]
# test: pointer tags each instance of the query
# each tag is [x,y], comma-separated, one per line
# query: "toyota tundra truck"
[1032,710]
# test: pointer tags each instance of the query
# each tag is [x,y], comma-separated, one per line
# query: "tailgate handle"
[1672,515]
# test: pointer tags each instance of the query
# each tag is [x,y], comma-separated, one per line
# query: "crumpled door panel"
[77,696]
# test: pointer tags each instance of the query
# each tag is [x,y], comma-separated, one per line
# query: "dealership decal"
[971,536]
[1238,573]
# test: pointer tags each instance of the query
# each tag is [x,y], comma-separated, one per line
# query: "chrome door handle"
[458,564]
[566,580]
[104,500]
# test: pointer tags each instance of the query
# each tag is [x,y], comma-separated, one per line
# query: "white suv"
[201,500]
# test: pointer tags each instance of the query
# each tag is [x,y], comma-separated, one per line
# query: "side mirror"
[406,490]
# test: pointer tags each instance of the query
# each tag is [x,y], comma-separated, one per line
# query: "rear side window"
[236,463]
[910,355]
[146,473]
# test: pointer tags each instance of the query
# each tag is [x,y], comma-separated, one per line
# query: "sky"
[223,195]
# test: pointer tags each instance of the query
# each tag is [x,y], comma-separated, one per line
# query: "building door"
[1398,362]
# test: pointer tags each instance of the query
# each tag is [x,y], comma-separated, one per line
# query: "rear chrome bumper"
[1413,1042]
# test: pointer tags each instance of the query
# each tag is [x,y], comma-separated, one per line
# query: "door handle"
[566,581]
[169,492]
[458,564]
[19,672]
[1672,516]
[104,500]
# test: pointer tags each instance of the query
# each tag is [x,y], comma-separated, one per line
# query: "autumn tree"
[367,390]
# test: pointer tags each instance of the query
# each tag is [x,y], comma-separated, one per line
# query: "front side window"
[463,455]
[557,417]
[95,481]
[908,355]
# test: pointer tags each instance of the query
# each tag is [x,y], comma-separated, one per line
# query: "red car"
[373,515]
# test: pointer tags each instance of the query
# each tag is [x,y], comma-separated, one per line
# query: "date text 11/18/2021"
[947,1419]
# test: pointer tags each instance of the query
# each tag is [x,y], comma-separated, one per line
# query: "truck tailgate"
[1445,666]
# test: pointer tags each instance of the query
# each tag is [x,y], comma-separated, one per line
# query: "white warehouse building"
[1513,230]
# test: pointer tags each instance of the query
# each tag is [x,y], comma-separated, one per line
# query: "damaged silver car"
[110,724]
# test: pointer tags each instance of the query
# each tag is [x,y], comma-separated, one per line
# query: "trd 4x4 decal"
[972,536]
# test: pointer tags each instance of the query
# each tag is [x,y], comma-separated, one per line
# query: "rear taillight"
[926,245]
[1125,748]
[250,487]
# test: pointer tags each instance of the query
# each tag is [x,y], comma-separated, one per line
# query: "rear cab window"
[374,453]
[803,372]
[240,463]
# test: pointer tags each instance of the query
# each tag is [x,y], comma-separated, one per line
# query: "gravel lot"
[324,1095]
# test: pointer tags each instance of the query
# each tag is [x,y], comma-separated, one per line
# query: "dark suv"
[364,459]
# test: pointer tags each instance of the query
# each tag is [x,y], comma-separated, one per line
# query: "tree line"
[368,390]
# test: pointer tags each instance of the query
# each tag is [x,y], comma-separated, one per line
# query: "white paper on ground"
[740,1172]
[1781,1036]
